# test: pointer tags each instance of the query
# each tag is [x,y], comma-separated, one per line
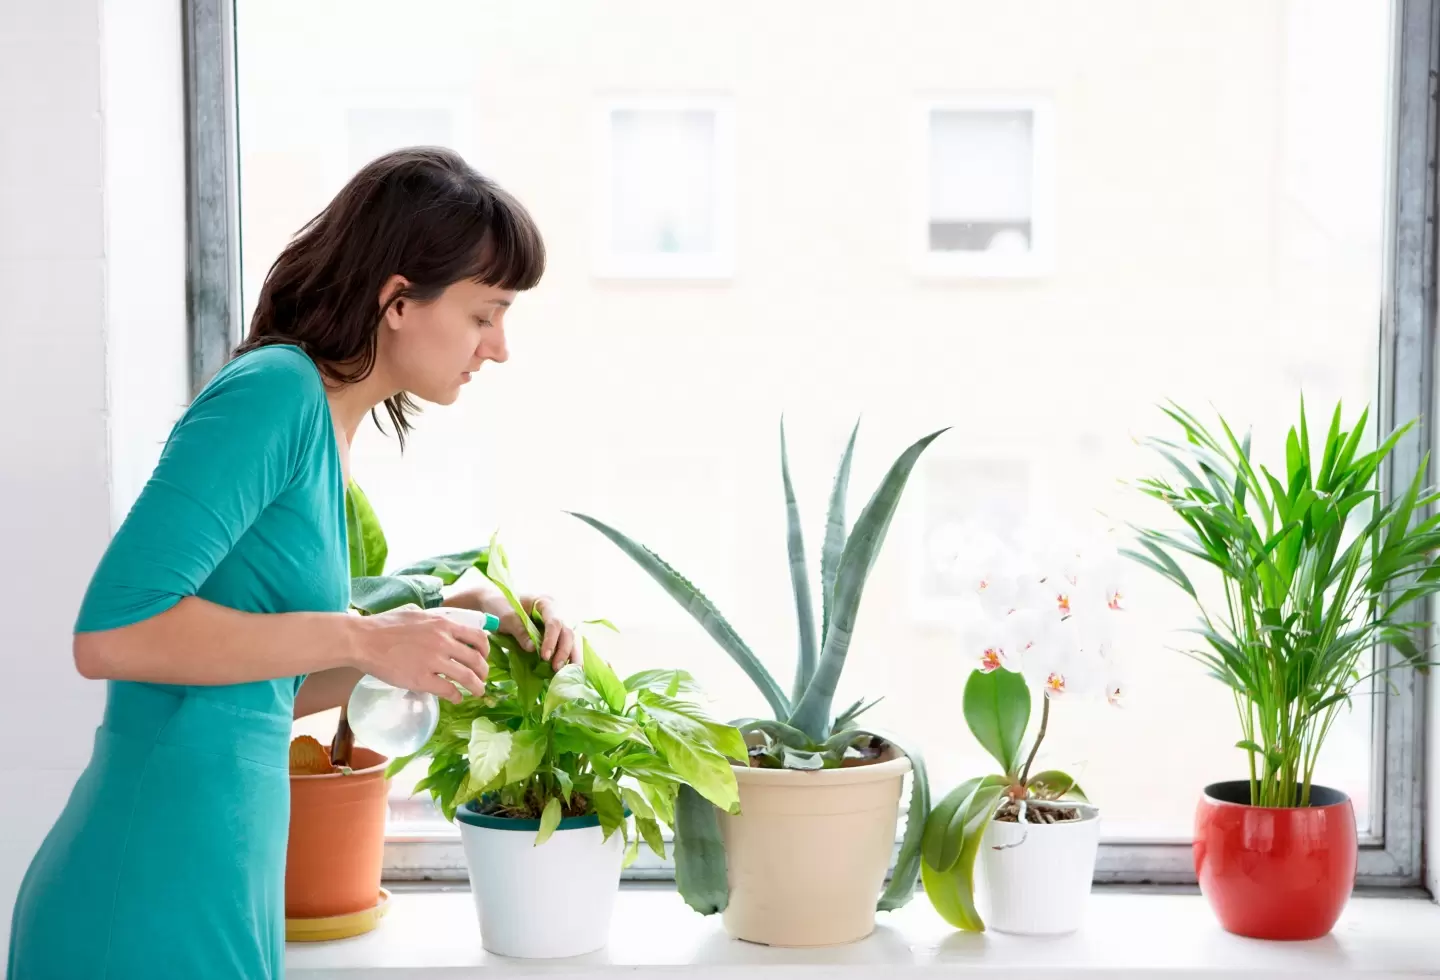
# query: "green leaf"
[648,768]
[661,797]
[799,578]
[527,751]
[800,759]
[601,622]
[599,674]
[569,684]
[937,826]
[947,841]
[1055,785]
[650,830]
[701,767]
[497,570]
[661,680]
[377,594]
[847,718]
[779,731]
[699,854]
[489,750]
[688,721]
[632,851]
[835,533]
[901,889]
[449,568]
[703,611]
[997,709]
[549,820]
[365,537]
[812,714]
[585,731]
[605,801]
[567,786]
[952,892]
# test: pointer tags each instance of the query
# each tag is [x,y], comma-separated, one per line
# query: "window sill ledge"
[433,933]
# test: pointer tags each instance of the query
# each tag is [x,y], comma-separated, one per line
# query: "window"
[1240,199]
[989,208]
[665,190]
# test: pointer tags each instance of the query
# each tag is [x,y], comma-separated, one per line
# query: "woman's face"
[430,349]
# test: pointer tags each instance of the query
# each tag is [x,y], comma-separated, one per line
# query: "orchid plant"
[1047,619]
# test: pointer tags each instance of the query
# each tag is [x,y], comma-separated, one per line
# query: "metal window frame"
[1391,854]
[212,186]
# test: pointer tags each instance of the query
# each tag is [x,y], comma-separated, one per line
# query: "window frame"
[609,264]
[1037,263]
[1390,853]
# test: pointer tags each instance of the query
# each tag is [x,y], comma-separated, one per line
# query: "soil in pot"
[1275,873]
[806,858]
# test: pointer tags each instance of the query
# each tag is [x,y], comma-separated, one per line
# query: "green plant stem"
[1039,737]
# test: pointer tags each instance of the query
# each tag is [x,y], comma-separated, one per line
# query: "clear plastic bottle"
[396,722]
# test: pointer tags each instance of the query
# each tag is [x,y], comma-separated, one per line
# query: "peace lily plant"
[1047,619]
[550,773]
[804,735]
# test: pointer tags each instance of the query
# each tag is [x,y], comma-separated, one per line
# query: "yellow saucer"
[337,926]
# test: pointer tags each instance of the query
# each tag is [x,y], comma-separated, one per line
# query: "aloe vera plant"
[803,732]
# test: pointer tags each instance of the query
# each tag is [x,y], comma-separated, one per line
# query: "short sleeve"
[236,449]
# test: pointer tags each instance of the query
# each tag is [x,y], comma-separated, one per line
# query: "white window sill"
[433,934]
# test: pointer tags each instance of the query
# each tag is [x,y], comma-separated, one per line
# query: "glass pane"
[1218,183]
[982,166]
[662,172]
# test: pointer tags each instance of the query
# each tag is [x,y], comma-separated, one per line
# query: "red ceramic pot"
[1275,873]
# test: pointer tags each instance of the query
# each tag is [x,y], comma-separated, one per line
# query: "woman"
[219,610]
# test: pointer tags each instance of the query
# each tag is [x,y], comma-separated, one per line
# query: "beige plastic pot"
[807,856]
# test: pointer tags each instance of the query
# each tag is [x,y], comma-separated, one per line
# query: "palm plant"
[802,733]
[1317,570]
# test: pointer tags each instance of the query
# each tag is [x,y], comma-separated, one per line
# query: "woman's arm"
[196,642]
[326,689]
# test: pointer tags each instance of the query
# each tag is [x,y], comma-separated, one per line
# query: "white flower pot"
[1034,879]
[541,902]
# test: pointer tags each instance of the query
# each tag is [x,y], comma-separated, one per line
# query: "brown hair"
[421,213]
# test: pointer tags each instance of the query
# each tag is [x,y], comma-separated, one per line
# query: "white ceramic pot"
[1034,879]
[541,902]
[806,857]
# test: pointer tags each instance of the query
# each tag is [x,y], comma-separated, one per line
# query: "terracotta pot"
[337,840]
[807,856]
[1272,873]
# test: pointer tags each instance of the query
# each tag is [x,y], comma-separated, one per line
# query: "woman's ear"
[391,299]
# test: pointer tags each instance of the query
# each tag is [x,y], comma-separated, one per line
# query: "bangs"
[511,254]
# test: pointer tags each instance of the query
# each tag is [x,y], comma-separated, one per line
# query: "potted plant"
[1034,832]
[1316,571]
[804,861]
[556,777]
[338,792]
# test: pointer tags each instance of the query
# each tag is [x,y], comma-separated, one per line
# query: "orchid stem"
[1039,737]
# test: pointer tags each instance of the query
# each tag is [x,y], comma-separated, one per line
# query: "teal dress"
[169,858]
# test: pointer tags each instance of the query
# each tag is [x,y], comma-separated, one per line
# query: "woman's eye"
[483,322]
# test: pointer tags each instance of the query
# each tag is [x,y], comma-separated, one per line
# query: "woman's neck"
[349,404]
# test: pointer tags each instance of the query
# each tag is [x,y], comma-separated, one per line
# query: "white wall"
[91,256]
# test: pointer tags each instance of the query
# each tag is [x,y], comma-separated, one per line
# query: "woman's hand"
[412,649]
[557,640]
